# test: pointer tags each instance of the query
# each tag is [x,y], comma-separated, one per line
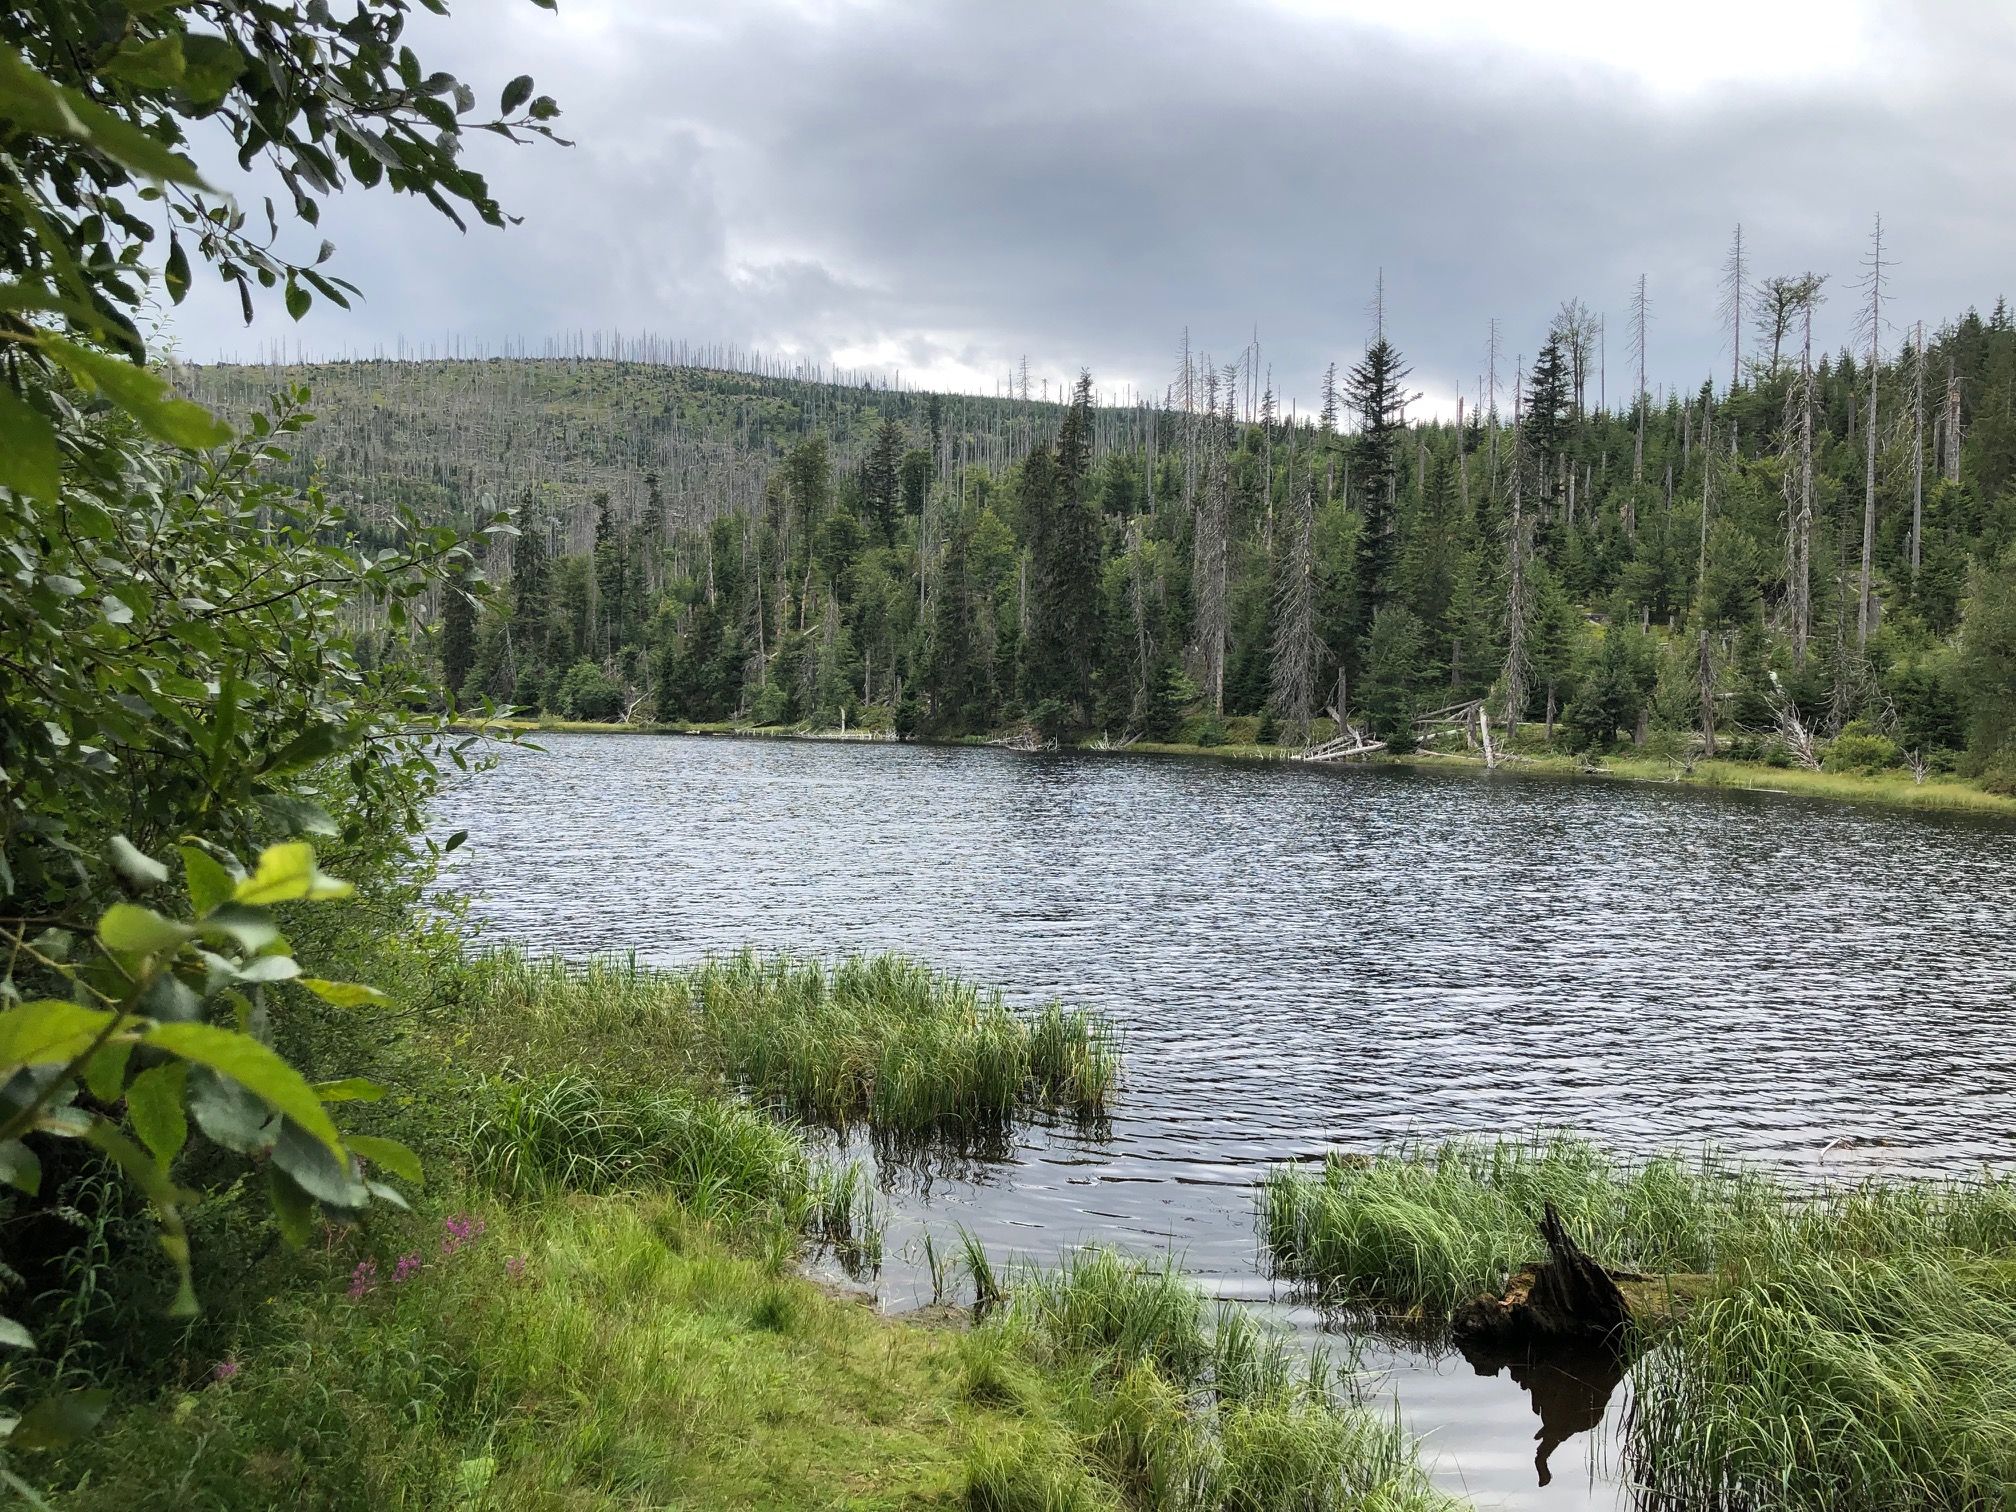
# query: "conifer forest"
[1811,543]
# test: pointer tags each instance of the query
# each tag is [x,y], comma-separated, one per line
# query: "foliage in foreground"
[877,1040]
[1857,1351]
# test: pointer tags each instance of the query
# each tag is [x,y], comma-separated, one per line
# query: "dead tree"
[1297,645]
[1872,329]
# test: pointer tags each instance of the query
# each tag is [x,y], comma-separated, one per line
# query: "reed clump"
[531,1139]
[1429,1226]
[1855,1347]
[877,1040]
[1151,1397]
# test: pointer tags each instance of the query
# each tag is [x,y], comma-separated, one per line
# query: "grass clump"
[1426,1227]
[880,1040]
[1142,1395]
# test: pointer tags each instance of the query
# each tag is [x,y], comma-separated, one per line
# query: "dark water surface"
[1309,958]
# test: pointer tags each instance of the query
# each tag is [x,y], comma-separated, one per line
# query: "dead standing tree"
[1298,647]
[1801,296]
[1870,328]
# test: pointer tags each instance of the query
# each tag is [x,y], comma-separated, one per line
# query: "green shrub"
[1862,749]
[587,692]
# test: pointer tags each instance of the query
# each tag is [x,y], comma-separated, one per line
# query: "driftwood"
[1566,1298]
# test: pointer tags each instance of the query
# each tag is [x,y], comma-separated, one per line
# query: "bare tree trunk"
[1952,421]
[1297,645]
[1874,319]
[1918,452]
[1707,695]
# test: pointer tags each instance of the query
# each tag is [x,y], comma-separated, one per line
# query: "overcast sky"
[945,188]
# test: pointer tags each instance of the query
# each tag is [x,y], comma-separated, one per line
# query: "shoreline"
[1941,794]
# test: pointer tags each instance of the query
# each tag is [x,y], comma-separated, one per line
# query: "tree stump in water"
[1567,1298]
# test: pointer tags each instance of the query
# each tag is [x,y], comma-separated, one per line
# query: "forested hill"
[1820,548]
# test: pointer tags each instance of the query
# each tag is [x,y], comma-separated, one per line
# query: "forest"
[1815,546]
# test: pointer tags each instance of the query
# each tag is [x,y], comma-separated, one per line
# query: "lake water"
[1307,958]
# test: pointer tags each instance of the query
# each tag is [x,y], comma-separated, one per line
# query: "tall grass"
[1173,1405]
[1430,1226]
[879,1040]
[530,1139]
[1854,1348]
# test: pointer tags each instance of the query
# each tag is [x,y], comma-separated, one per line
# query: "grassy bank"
[597,1303]
[1235,740]
[1850,1348]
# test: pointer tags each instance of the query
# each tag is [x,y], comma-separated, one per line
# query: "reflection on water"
[1305,959]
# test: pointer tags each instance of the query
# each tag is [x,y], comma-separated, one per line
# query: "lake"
[1307,958]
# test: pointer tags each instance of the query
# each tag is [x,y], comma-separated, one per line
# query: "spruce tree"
[1063,536]
[1373,391]
[882,480]
[458,634]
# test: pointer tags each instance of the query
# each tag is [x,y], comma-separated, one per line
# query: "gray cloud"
[944,188]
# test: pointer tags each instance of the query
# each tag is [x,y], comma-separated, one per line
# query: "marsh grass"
[1168,1402]
[724,1160]
[1856,1348]
[881,1041]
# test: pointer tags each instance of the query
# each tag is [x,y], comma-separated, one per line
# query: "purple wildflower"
[408,1263]
[223,1370]
[458,1231]
[363,1279]
[515,1267]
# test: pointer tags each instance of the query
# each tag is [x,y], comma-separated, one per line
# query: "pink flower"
[458,1231]
[223,1370]
[515,1267]
[362,1279]
[408,1263]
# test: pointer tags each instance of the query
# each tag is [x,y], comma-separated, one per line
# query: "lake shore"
[1944,793]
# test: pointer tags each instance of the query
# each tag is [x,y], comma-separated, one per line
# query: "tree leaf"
[12,1333]
[105,1072]
[350,1089]
[20,1168]
[227,1114]
[58,1420]
[142,393]
[28,460]
[48,1033]
[389,1153]
[209,883]
[271,968]
[254,1067]
[133,864]
[516,93]
[286,872]
[154,1103]
[141,931]
[292,1207]
[324,1176]
[344,994]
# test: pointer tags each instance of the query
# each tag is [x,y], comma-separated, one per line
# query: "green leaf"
[141,931]
[252,929]
[48,1033]
[154,1103]
[344,994]
[20,1168]
[271,968]
[350,1089]
[286,872]
[12,1333]
[254,1067]
[142,393]
[58,1420]
[389,1153]
[209,883]
[210,66]
[133,864]
[28,459]
[294,1208]
[152,65]
[227,1114]
[298,299]
[105,1072]
[516,93]
[176,271]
